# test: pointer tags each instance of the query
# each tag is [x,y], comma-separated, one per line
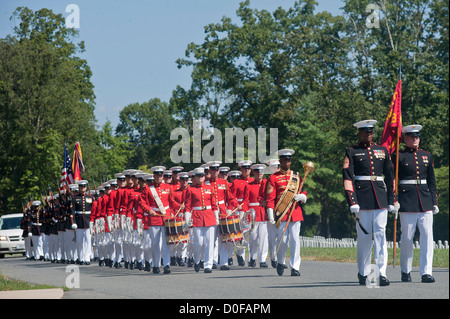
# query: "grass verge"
[7,284]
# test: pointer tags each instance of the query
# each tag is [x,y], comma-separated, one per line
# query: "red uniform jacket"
[237,188]
[103,212]
[201,196]
[148,203]
[252,198]
[224,197]
[121,201]
[277,184]
[176,199]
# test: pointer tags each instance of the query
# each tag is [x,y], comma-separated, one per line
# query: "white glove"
[129,225]
[216,215]
[395,209]
[228,211]
[187,219]
[110,223]
[123,222]
[74,226]
[270,216]
[355,210]
[300,198]
[435,209]
[30,234]
[139,226]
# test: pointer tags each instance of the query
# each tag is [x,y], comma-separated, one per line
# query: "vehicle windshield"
[10,223]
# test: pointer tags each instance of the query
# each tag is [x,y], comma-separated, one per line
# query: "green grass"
[440,256]
[7,284]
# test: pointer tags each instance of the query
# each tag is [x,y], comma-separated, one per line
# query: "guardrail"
[322,242]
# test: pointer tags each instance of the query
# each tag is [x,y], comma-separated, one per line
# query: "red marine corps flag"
[393,126]
[391,140]
[77,164]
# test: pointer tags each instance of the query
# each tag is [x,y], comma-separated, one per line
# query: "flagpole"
[396,179]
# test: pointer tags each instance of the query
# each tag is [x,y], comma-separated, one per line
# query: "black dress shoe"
[230,261]
[384,281]
[252,263]
[190,262]
[156,270]
[208,270]
[197,267]
[241,261]
[362,279]
[295,272]
[280,269]
[224,267]
[428,278]
[406,277]
[263,265]
[167,270]
[273,263]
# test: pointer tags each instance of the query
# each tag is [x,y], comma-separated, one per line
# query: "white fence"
[322,242]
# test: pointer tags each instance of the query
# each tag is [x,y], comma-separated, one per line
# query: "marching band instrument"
[237,229]
[308,167]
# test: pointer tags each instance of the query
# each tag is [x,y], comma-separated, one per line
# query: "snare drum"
[230,229]
[176,232]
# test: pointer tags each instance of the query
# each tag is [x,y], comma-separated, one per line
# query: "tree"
[147,127]
[46,98]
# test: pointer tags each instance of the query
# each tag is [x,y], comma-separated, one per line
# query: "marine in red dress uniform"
[201,210]
[277,184]
[157,193]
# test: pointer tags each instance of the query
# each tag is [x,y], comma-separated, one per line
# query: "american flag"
[66,174]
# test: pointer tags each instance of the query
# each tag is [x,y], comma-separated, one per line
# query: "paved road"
[318,280]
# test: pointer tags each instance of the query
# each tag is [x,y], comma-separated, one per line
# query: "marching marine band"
[202,217]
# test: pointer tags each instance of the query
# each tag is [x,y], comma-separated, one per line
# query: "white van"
[11,240]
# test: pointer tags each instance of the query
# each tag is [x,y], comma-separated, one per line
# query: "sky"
[131,46]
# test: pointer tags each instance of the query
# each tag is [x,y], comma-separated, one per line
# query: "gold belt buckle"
[373,178]
[203,207]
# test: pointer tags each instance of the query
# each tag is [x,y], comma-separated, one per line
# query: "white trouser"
[258,242]
[62,252]
[84,244]
[204,245]
[70,245]
[37,247]
[291,237]
[374,221]
[272,240]
[53,243]
[424,221]
[28,248]
[147,245]
[159,246]
[226,250]
[45,245]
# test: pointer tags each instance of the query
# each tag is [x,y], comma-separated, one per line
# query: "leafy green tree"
[46,98]
[147,127]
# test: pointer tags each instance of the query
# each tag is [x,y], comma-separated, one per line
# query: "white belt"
[220,202]
[81,212]
[253,204]
[413,181]
[201,207]
[157,209]
[34,224]
[369,178]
